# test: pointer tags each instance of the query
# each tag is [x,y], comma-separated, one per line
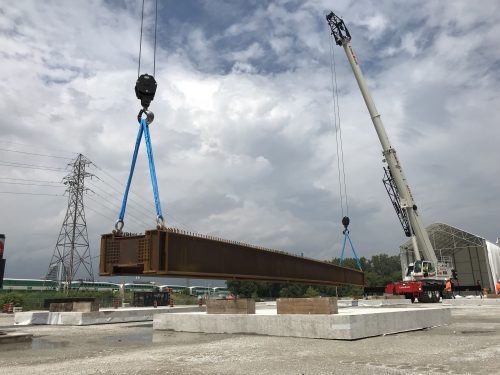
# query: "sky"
[244,136]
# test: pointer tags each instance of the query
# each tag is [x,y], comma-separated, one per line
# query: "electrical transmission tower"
[71,258]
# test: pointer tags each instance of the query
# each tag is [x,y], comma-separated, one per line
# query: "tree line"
[379,270]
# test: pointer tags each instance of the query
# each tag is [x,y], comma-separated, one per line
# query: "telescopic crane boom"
[407,209]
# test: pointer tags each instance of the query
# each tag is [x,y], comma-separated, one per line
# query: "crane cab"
[420,269]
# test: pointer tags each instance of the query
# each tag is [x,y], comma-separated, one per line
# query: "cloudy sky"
[244,136]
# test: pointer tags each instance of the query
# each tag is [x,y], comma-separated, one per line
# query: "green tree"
[311,292]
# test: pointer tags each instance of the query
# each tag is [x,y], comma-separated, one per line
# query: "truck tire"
[436,296]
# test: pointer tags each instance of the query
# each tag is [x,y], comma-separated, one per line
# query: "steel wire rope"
[154,53]
[140,40]
[338,132]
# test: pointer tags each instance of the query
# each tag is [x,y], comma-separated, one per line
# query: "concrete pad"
[372,302]
[105,316]
[349,324]
[472,302]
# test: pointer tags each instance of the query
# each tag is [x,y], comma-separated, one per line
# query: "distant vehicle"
[29,284]
[141,287]
[175,288]
[101,286]
[200,290]
[221,292]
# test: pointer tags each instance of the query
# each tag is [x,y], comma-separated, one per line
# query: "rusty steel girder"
[173,253]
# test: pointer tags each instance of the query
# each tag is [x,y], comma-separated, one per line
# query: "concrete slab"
[372,302]
[472,302]
[349,324]
[317,305]
[105,316]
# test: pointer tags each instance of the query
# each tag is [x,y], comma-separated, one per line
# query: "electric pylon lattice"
[71,259]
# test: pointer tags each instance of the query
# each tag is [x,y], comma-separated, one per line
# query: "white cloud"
[243,135]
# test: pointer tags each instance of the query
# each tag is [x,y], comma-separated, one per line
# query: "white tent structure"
[473,258]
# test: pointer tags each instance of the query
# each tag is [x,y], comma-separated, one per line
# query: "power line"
[32,146]
[116,198]
[30,166]
[30,180]
[19,193]
[105,203]
[133,200]
[29,184]
[35,154]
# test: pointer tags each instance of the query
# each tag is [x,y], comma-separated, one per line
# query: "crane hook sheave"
[339,29]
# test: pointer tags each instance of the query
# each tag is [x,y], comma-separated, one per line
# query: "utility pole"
[72,250]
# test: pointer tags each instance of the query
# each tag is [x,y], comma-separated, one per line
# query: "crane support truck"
[424,279]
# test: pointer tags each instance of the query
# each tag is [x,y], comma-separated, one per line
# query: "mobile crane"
[425,277]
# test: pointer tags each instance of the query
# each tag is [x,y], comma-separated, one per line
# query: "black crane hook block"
[345,222]
[145,89]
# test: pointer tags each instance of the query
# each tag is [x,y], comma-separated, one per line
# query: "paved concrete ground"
[470,345]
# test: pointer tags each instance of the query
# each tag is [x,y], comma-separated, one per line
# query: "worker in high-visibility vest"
[498,286]
[449,288]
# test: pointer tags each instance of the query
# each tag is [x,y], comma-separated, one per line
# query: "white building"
[473,257]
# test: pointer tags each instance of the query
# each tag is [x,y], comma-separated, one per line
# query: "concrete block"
[237,306]
[350,324]
[74,318]
[319,305]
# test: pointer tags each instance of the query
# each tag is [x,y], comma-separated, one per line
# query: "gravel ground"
[470,345]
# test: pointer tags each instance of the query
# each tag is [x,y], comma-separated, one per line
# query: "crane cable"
[338,134]
[340,158]
[145,89]
[140,41]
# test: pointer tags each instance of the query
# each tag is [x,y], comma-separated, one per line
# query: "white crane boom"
[407,204]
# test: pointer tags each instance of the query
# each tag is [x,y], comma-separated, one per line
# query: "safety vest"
[498,288]
[448,286]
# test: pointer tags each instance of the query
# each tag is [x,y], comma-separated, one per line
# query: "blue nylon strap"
[152,169]
[346,237]
[343,249]
[143,128]
[132,167]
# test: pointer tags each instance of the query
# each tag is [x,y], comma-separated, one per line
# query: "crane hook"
[345,223]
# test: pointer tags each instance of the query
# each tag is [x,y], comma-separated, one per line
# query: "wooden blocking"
[492,295]
[237,306]
[81,306]
[317,305]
